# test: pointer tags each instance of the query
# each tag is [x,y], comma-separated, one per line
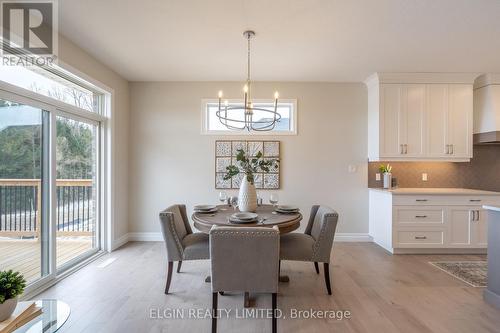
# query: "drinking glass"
[273,199]
[234,202]
[223,198]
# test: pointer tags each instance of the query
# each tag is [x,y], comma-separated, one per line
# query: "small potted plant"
[247,197]
[11,286]
[386,171]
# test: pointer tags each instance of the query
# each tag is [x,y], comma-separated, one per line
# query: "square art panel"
[271,148]
[225,152]
[220,182]
[221,163]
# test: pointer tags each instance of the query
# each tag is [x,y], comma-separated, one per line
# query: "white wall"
[171,162]
[72,55]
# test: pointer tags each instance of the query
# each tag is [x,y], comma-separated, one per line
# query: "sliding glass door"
[22,224]
[54,131]
[49,189]
[76,189]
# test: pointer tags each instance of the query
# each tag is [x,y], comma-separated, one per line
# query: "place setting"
[244,217]
[286,209]
[282,209]
[205,209]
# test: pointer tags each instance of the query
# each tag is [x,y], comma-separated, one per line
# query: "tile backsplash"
[482,172]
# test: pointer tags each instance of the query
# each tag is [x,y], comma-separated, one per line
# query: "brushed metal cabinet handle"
[421,200]
[420,237]
[473,217]
[401,149]
[475,200]
[406,148]
[447,149]
[451,146]
[477,218]
[420,216]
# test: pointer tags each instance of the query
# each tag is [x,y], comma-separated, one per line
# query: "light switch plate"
[424,177]
[377,176]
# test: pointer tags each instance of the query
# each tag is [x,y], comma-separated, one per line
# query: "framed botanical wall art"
[225,155]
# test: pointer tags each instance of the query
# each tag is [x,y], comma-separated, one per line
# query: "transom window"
[211,124]
[56,86]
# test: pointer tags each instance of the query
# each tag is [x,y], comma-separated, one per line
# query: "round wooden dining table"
[267,218]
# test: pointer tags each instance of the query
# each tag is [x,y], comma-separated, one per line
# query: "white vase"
[388,180]
[7,308]
[247,198]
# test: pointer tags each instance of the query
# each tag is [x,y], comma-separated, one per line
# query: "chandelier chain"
[248,57]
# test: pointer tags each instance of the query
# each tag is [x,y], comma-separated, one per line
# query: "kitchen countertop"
[494,208]
[436,191]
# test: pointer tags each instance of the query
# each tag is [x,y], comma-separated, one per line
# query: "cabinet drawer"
[414,215]
[443,200]
[420,237]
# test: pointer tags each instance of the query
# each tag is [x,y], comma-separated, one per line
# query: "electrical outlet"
[377,176]
[352,168]
[424,177]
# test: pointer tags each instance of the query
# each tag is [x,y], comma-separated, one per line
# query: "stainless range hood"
[487,110]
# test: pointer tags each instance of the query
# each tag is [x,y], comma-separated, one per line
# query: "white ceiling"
[297,40]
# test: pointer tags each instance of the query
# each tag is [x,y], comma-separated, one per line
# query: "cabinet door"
[437,120]
[414,111]
[481,228]
[460,120]
[392,129]
[460,227]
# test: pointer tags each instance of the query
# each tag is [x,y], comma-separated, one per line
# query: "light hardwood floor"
[25,255]
[384,293]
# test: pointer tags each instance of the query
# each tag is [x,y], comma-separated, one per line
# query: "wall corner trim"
[120,242]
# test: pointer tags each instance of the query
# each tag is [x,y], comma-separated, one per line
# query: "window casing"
[62,95]
[286,126]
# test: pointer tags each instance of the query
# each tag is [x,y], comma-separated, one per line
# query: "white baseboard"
[120,242]
[157,237]
[145,237]
[353,237]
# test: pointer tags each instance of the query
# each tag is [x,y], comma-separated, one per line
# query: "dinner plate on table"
[286,209]
[205,209]
[244,218]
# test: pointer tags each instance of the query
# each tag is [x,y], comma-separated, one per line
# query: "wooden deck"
[24,255]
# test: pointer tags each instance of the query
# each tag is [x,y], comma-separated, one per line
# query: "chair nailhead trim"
[246,233]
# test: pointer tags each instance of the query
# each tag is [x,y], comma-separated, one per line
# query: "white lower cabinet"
[421,224]
[460,227]
[481,228]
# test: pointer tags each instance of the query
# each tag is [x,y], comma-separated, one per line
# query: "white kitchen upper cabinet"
[414,115]
[402,113]
[392,129]
[437,120]
[460,120]
[420,117]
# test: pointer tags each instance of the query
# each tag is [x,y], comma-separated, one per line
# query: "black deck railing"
[20,205]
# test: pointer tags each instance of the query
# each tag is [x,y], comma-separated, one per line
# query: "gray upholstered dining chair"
[244,259]
[181,242]
[315,244]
